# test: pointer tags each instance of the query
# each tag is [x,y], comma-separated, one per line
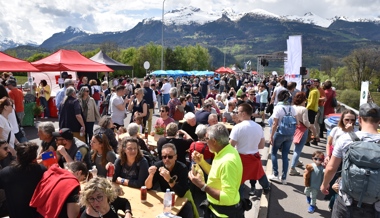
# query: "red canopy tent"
[254,72]
[222,70]
[11,64]
[69,60]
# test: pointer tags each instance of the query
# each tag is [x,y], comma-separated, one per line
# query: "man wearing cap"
[68,146]
[312,105]
[369,119]
[18,98]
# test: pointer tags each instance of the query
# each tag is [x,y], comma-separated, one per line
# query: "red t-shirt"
[18,97]
[161,122]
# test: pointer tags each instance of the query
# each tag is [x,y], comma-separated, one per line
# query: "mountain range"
[248,34]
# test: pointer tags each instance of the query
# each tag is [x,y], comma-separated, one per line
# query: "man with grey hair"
[45,134]
[182,143]
[61,93]
[70,114]
[224,175]
[212,119]
[190,125]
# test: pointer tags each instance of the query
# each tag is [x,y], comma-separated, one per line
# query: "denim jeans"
[165,99]
[298,149]
[45,105]
[284,142]
[263,181]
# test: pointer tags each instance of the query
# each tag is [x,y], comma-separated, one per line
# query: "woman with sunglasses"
[101,153]
[345,125]
[131,168]
[100,199]
[89,110]
[138,105]
[6,108]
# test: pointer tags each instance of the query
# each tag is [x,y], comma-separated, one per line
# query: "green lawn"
[21,79]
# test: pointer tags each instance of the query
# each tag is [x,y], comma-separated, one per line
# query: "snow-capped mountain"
[189,15]
[310,18]
[8,43]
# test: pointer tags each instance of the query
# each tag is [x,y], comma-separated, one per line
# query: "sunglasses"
[317,158]
[162,111]
[353,120]
[168,156]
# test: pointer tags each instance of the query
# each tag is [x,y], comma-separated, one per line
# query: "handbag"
[298,134]
[178,115]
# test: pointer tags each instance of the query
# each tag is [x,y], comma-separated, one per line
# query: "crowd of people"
[193,132]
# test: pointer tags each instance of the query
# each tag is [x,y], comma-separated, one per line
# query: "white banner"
[294,61]
[364,92]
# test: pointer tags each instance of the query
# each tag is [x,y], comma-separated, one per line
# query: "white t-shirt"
[335,133]
[7,128]
[248,135]
[343,142]
[166,88]
[264,96]
[279,113]
[278,90]
[116,114]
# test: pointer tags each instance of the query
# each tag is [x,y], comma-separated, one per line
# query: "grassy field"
[21,79]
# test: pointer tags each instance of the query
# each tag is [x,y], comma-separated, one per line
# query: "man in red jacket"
[56,195]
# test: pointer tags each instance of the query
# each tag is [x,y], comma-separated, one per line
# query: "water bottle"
[78,156]
[167,202]
[94,172]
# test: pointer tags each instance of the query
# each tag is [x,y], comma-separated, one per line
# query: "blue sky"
[37,20]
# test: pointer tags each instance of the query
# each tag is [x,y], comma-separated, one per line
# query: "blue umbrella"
[159,73]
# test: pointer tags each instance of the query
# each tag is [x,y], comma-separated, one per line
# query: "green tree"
[362,64]
[37,56]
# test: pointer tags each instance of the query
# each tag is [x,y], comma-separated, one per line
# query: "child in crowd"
[139,121]
[313,179]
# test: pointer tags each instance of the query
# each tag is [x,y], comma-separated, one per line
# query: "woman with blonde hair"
[101,153]
[100,200]
[89,110]
[131,168]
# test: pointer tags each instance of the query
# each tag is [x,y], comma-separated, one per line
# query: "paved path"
[289,201]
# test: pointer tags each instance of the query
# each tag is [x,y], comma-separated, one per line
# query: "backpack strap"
[354,137]
[366,181]
[204,148]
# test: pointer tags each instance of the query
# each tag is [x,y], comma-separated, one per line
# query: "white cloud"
[37,20]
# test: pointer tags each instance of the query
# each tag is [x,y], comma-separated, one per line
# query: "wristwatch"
[122,181]
[171,180]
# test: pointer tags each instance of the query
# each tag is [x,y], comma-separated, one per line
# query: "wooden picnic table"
[153,205]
